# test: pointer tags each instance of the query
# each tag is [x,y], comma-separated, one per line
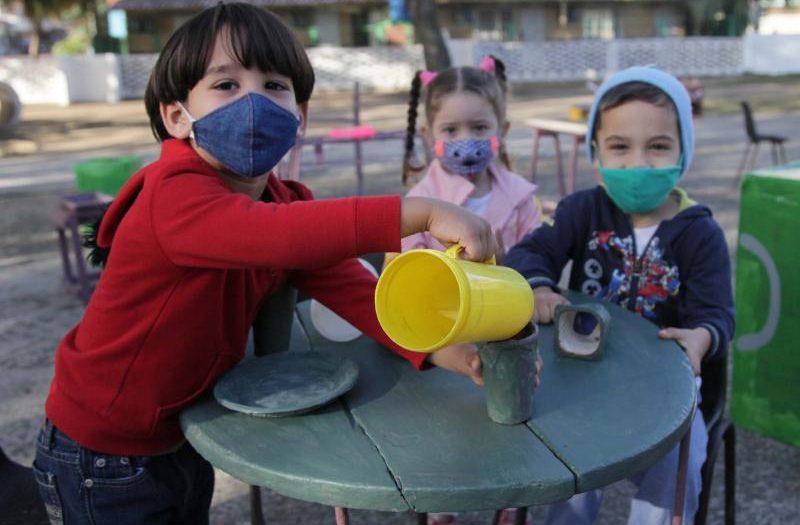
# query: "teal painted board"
[765,392]
[433,431]
[405,439]
[301,457]
[285,383]
[610,418]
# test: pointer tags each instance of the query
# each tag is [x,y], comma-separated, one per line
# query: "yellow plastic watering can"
[427,300]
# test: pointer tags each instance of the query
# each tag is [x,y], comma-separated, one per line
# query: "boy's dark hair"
[258,38]
[491,86]
[629,92]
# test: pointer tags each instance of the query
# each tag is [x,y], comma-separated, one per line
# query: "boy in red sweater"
[196,240]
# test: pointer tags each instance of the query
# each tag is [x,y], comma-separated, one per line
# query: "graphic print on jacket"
[651,280]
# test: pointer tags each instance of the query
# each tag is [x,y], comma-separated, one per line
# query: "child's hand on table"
[545,301]
[463,359]
[450,224]
[694,341]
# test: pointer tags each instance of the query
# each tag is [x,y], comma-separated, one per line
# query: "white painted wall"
[772,54]
[379,67]
[36,81]
[779,24]
[63,80]
[110,77]
[92,78]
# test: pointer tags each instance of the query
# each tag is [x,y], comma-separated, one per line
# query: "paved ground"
[36,161]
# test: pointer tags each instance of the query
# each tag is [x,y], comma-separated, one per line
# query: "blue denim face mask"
[640,190]
[249,136]
[467,156]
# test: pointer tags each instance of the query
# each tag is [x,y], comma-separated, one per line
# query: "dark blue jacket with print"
[682,280]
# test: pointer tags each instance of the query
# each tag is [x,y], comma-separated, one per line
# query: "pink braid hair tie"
[487,64]
[427,77]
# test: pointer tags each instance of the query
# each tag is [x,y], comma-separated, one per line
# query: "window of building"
[359,27]
[597,23]
[496,24]
[142,24]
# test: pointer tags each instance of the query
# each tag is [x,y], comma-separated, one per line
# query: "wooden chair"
[720,429]
[754,139]
[74,211]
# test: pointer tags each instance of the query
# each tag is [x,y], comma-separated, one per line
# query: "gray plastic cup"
[509,368]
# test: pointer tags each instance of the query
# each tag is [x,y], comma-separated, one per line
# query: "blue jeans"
[80,486]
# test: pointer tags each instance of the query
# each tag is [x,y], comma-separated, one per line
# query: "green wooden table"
[405,440]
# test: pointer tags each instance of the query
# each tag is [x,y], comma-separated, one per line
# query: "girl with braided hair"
[465,124]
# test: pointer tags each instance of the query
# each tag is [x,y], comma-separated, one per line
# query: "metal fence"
[63,80]
[383,68]
[134,72]
[575,60]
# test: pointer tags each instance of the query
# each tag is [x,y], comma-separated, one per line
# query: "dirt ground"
[36,162]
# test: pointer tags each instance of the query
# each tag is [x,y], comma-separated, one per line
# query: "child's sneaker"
[442,518]
[507,517]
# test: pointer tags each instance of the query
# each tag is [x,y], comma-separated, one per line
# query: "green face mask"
[640,190]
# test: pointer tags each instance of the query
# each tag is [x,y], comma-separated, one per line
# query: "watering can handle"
[455,249]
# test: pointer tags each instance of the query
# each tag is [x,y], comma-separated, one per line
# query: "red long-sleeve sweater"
[189,266]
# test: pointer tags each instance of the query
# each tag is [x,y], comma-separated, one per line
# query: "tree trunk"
[695,17]
[429,33]
[36,38]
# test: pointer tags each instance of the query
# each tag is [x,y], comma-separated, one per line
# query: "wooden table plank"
[300,457]
[626,410]
[422,440]
[419,420]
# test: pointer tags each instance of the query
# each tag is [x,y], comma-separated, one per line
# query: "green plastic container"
[766,360]
[105,175]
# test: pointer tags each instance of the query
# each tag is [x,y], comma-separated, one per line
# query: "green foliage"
[718,17]
[39,10]
[379,30]
[76,43]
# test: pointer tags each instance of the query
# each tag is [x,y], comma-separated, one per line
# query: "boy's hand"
[450,224]
[463,359]
[694,341]
[545,301]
